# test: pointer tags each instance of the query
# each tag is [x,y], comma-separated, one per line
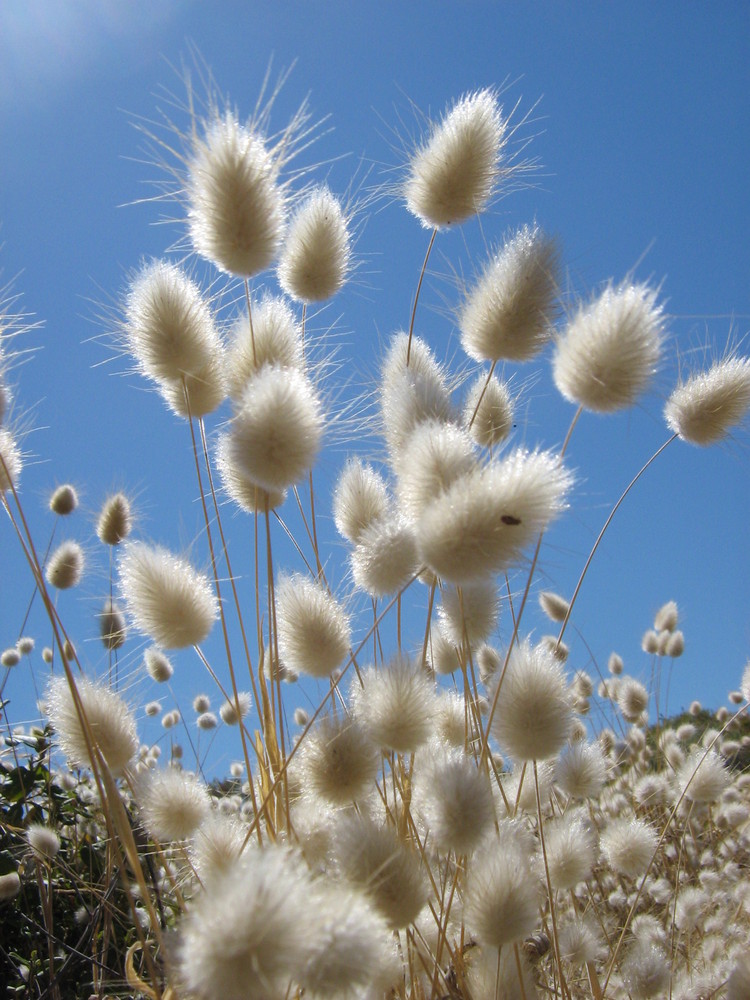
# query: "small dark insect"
[536,946]
[509,519]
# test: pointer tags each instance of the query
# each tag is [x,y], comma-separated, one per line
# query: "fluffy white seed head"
[703,776]
[433,457]
[338,762]
[253,917]
[707,405]
[246,493]
[216,846]
[632,698]
[235,709]
[275,339]
[276,432]
[372,858]
[533,715]
[43,841]
[454,798]
[112,628]
[488,411]
[645,969]
[236,207]
[444,656]
[10,461]
[115,520]
[501,900]
[554,606]
[313,628]
[206,721]
[351,953]
[385,557]
[615,664]
[168,599]
[509,313]
[65,566]
[580,941]
[453,175]
[172,803]
[580,770]
[469,613]
[157,665]
[675,644]
[360,499]
[10,657]
[482,523]
[396,704]
[628,845]
[667,617]
[316,255]
[611,349]
[64,500]
[571,850]
[10,886]
[171,331]
[110,725]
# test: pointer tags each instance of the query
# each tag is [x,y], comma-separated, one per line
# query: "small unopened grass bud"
[152,708]
[170,719]
[236,208]
[488,411]
[115,520]
[554,606]
[532,714]
[315,257]
[169,600]
[233,711]
[313,629]
[453,176]
[47,655]
[112,626]
[10,657]
[277,429]
[43,841]
[157,664]
[360,499]
[705,408]
[64,500]
[275,339]
[509,313]
[109,722]
[65,566]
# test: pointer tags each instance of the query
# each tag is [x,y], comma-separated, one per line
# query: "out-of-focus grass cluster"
[459,811]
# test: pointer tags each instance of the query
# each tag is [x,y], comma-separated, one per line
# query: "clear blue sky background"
[640,126]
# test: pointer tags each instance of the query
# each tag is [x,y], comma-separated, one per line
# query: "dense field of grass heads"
[453,809]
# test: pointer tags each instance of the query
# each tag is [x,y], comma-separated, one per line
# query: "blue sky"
[638,120]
